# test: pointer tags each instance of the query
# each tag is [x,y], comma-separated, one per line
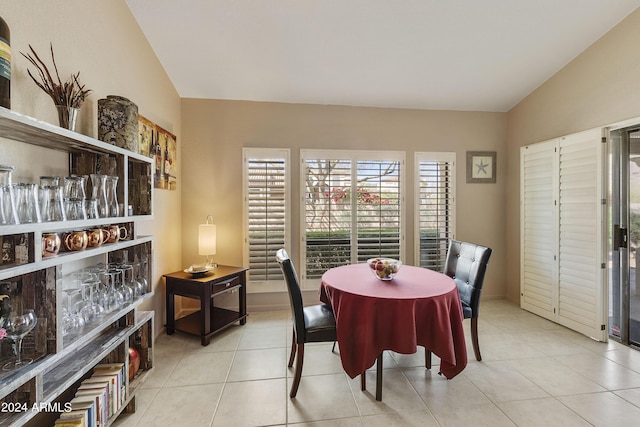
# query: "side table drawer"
[226,286]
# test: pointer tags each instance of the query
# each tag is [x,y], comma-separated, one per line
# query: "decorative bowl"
[384,268]
[198,270]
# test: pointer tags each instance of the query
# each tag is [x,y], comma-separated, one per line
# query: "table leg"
[242,298]
[379,378]
[171,316]
[363,381]
[205,316]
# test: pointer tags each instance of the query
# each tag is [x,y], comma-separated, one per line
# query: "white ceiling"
[474,55]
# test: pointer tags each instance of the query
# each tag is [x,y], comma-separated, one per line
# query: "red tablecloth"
[418,307]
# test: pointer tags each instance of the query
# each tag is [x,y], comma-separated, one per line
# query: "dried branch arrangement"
[70,93]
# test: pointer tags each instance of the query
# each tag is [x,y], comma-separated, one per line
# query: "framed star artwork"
[481,167]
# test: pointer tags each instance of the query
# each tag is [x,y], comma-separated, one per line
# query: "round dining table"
[418,307]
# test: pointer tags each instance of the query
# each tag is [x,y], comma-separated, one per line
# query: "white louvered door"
[581,251]
[538,230]
[562,232]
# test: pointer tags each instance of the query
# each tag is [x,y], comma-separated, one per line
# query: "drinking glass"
[49,180]
[131,280]
[91,310]
[87,282]
[113,208]
[140,268]
[71,317]
[74,187]
[113,277]
[51,203]
[99,192]
[123,287]
[75,208]
[18,324]
[27,203]
[8,213]
[91,206]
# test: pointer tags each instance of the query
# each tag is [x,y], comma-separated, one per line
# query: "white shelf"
[66,257]
[19,127]
[55,226]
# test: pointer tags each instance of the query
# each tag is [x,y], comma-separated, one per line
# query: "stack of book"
[97,399]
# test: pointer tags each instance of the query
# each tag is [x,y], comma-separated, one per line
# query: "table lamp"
[207,241]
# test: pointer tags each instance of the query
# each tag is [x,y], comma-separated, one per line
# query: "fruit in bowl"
[384,268]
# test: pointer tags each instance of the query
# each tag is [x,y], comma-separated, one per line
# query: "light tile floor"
[533,373]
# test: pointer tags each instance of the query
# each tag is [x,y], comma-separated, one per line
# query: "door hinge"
[602,327]
[603,266]
[604,139]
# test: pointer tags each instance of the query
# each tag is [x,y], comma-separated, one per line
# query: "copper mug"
[50,244]
[76,240]
[96,237]
[116,233]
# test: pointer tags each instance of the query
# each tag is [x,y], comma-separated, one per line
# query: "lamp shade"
[207,239]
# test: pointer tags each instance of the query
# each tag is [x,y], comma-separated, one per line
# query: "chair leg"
[293,349]
[298,374]
[474,338]
[333,349]
[427,358]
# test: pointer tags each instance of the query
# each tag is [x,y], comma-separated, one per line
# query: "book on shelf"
[89,405]
[112,370]
[100,398]
[101,382]
[71,420]
[76,413]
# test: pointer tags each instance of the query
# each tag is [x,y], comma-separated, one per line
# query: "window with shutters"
[266,214]
[435,207]
[352,209]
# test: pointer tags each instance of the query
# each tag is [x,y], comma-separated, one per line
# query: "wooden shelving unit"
[61,362]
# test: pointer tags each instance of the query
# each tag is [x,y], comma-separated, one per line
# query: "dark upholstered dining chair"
[466,264]
[315,323]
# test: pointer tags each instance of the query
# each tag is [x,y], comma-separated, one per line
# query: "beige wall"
[601,86]
[102,40]
[215,131]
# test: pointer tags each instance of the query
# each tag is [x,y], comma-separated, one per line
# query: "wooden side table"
[209,319]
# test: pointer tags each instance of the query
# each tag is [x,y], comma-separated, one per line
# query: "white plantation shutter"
[435,207]
[378,210]
[266,192]
[581,272]
[562,232]
[539,240]
[352,208]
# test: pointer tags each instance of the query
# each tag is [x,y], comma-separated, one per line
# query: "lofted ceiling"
[427,54]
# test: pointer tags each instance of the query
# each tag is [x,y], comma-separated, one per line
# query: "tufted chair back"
[312,323]
[295,295]
[466,264]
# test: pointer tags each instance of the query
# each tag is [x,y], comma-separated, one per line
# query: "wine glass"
[130,280]
[71,317]
[18,325]
[141,279]
[111,280]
